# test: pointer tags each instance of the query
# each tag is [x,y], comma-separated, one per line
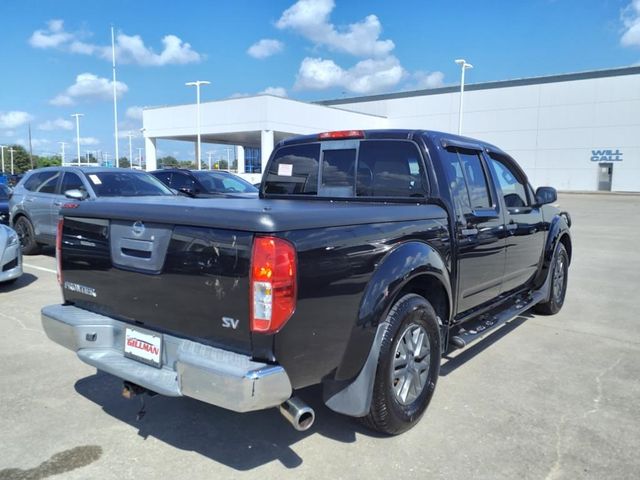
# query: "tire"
[27,236]
[395,408]
[559,278]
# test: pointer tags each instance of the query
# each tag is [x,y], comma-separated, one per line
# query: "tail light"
[59,248]
[273,284]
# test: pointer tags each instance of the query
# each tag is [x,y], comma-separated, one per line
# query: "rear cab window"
[360,168]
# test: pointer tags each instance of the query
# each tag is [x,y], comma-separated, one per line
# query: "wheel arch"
[412,267]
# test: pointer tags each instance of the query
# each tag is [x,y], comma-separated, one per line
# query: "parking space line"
[39,268]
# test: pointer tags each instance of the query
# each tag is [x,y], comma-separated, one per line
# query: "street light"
[11,150]
[78,115]
[463,65]
[2,147]
[62,144]
[130,135]
[197,84]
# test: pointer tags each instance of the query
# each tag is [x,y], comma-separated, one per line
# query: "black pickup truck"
[367,256]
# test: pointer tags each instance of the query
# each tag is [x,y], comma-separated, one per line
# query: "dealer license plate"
[144,346]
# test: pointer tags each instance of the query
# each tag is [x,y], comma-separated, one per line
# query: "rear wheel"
[408,367]
[559,277]
[27,236]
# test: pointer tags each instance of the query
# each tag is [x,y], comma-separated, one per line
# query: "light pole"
[140,156]
[2,147]
[463,65]
[62,144]
[130,135]
[78,115]
[209,155]
[197,84]
[115,97]
[11,150]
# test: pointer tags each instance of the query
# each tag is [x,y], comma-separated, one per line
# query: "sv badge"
[228,322]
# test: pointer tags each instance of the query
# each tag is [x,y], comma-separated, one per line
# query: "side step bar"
[476,329]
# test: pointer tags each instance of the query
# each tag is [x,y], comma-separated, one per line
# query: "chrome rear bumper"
[212,375]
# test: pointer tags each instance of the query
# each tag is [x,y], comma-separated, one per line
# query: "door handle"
[468,232]
[512,226]
[29,200]
[57,204]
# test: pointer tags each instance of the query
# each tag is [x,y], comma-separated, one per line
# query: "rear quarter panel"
[335,266]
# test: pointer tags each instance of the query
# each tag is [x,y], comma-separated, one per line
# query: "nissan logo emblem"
[138,228]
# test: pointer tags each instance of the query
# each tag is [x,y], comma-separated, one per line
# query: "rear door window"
[37,179]
[50,183]
[467,179]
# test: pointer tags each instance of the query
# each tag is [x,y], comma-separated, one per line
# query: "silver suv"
[36,200]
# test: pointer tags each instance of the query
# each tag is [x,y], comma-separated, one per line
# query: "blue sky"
[56,54]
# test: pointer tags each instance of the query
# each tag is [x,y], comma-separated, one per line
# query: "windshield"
[213,182]
[4,192]
[126,184]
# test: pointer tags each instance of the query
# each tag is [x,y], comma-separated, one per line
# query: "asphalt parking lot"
[544,397]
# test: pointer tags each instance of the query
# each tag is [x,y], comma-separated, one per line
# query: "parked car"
[10,255]
[5,193]
[205,183]
[36,200]
[368,256]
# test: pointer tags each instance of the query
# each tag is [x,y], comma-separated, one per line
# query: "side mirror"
[76,194]
[545,195]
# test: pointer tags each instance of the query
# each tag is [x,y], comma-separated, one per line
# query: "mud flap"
[355,399]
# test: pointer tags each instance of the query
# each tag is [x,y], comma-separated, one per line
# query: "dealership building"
[577,131]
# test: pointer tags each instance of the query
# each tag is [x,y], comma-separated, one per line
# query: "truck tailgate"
[189,281]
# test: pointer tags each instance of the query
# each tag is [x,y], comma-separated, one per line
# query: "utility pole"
[2,147]
[78,115]
[115,97]
[30,148]
[140,157]
[62,144]
[130,150]
[209,155]
[11,150]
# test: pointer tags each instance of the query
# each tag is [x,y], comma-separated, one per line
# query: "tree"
[21,162]
[124,162]
[167,161]
[52,161]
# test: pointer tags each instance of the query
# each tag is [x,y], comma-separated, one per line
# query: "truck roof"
[400,133]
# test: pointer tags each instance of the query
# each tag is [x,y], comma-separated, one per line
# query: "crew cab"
[367,256]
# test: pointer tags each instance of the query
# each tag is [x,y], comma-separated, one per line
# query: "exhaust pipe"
[298,414]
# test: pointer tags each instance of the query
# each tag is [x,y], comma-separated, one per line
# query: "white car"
[10,255]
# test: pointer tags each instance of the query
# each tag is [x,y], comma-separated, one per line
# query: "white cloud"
[54,36]
[129,48]
[134,113]
[89,86]
[277,91]
[367,76]
[88,141]
[423,80]
[14,119]
[57,124]
[265,48]
[631,22]
[310,18]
